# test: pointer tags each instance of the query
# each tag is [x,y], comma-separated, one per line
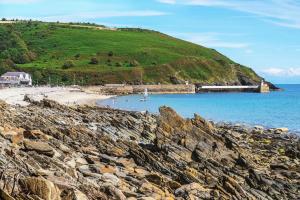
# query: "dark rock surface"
[50,151]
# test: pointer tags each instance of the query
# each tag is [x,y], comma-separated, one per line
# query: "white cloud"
[96,15]
[167,1]
[211,40]
[17,1]
[279,12]
[282,72]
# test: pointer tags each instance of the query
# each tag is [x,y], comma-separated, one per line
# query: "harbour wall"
[121,89]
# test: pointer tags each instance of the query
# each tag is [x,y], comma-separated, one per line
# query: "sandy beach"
[63,95]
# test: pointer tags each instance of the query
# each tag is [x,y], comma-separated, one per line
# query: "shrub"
[68,64]
[118,64]
[134,63]
[37,75]
[110,54]
[77,56]
[94,61]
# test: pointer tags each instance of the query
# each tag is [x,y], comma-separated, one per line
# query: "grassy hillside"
[96,55]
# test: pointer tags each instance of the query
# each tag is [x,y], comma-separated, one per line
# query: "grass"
[136,52]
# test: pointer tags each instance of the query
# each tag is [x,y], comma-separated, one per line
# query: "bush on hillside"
[134,63]
[118,64]
[77,56]
[94,61]
[110,54]
[68,64]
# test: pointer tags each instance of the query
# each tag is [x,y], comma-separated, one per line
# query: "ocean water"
[271,110]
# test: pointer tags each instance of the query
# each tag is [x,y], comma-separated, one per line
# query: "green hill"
[96,55]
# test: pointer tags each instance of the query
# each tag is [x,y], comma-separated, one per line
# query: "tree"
[3,19]
[37,76]
[94,61]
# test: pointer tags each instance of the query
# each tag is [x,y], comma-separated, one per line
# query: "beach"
[63,95]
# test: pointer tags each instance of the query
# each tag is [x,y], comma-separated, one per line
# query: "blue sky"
[261,34]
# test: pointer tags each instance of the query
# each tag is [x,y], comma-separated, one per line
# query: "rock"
[40,187]
[153,191]
[39,147]
[193,191]
[110,178]
[5,196]
[75,195]
[17,139]
[281,130]
[113,192]
[155,178]
[80,161]
[278,167]
[258,127]
[35,134]
[102,153]
[202,123]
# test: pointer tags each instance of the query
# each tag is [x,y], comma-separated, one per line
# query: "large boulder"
[40,187]
[40,147]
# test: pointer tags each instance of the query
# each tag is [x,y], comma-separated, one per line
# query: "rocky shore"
[56,152]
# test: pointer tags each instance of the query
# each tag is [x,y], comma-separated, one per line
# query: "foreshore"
[62,95]
[53,151]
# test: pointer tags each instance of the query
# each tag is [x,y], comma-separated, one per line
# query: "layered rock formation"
[49,151]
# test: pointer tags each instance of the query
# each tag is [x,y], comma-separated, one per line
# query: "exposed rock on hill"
[49,151]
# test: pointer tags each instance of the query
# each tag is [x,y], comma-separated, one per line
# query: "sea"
[271,110]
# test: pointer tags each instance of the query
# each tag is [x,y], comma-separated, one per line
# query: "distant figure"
[145,95]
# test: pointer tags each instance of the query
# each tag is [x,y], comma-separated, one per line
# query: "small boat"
[145,95]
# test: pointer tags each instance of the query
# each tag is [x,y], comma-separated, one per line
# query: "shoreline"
[63,95]
[74,96]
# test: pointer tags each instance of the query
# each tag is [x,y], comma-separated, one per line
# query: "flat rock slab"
[40,147]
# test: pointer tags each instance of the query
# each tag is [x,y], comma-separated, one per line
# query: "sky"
[261,34]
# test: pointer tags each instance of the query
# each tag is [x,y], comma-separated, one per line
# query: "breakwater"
[121,89]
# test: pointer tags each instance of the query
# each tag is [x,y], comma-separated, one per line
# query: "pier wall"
[134,89]
[257,88]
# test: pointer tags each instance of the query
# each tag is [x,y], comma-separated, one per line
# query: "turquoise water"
[275,109]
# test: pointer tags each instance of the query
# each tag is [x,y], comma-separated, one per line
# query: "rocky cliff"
[53,152]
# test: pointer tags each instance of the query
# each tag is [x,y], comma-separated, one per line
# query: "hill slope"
[96,55]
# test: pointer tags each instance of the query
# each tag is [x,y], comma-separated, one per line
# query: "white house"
[16,78]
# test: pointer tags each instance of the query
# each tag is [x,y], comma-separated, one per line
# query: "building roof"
[14,73]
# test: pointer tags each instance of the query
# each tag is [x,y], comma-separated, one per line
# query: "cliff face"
[49,151]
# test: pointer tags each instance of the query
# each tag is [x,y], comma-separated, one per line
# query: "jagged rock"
[113,192]
[5,196]
[106,154]
[281,130]
[75,195]
[110,178]
[40,187]
[193,191]
[202,123]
